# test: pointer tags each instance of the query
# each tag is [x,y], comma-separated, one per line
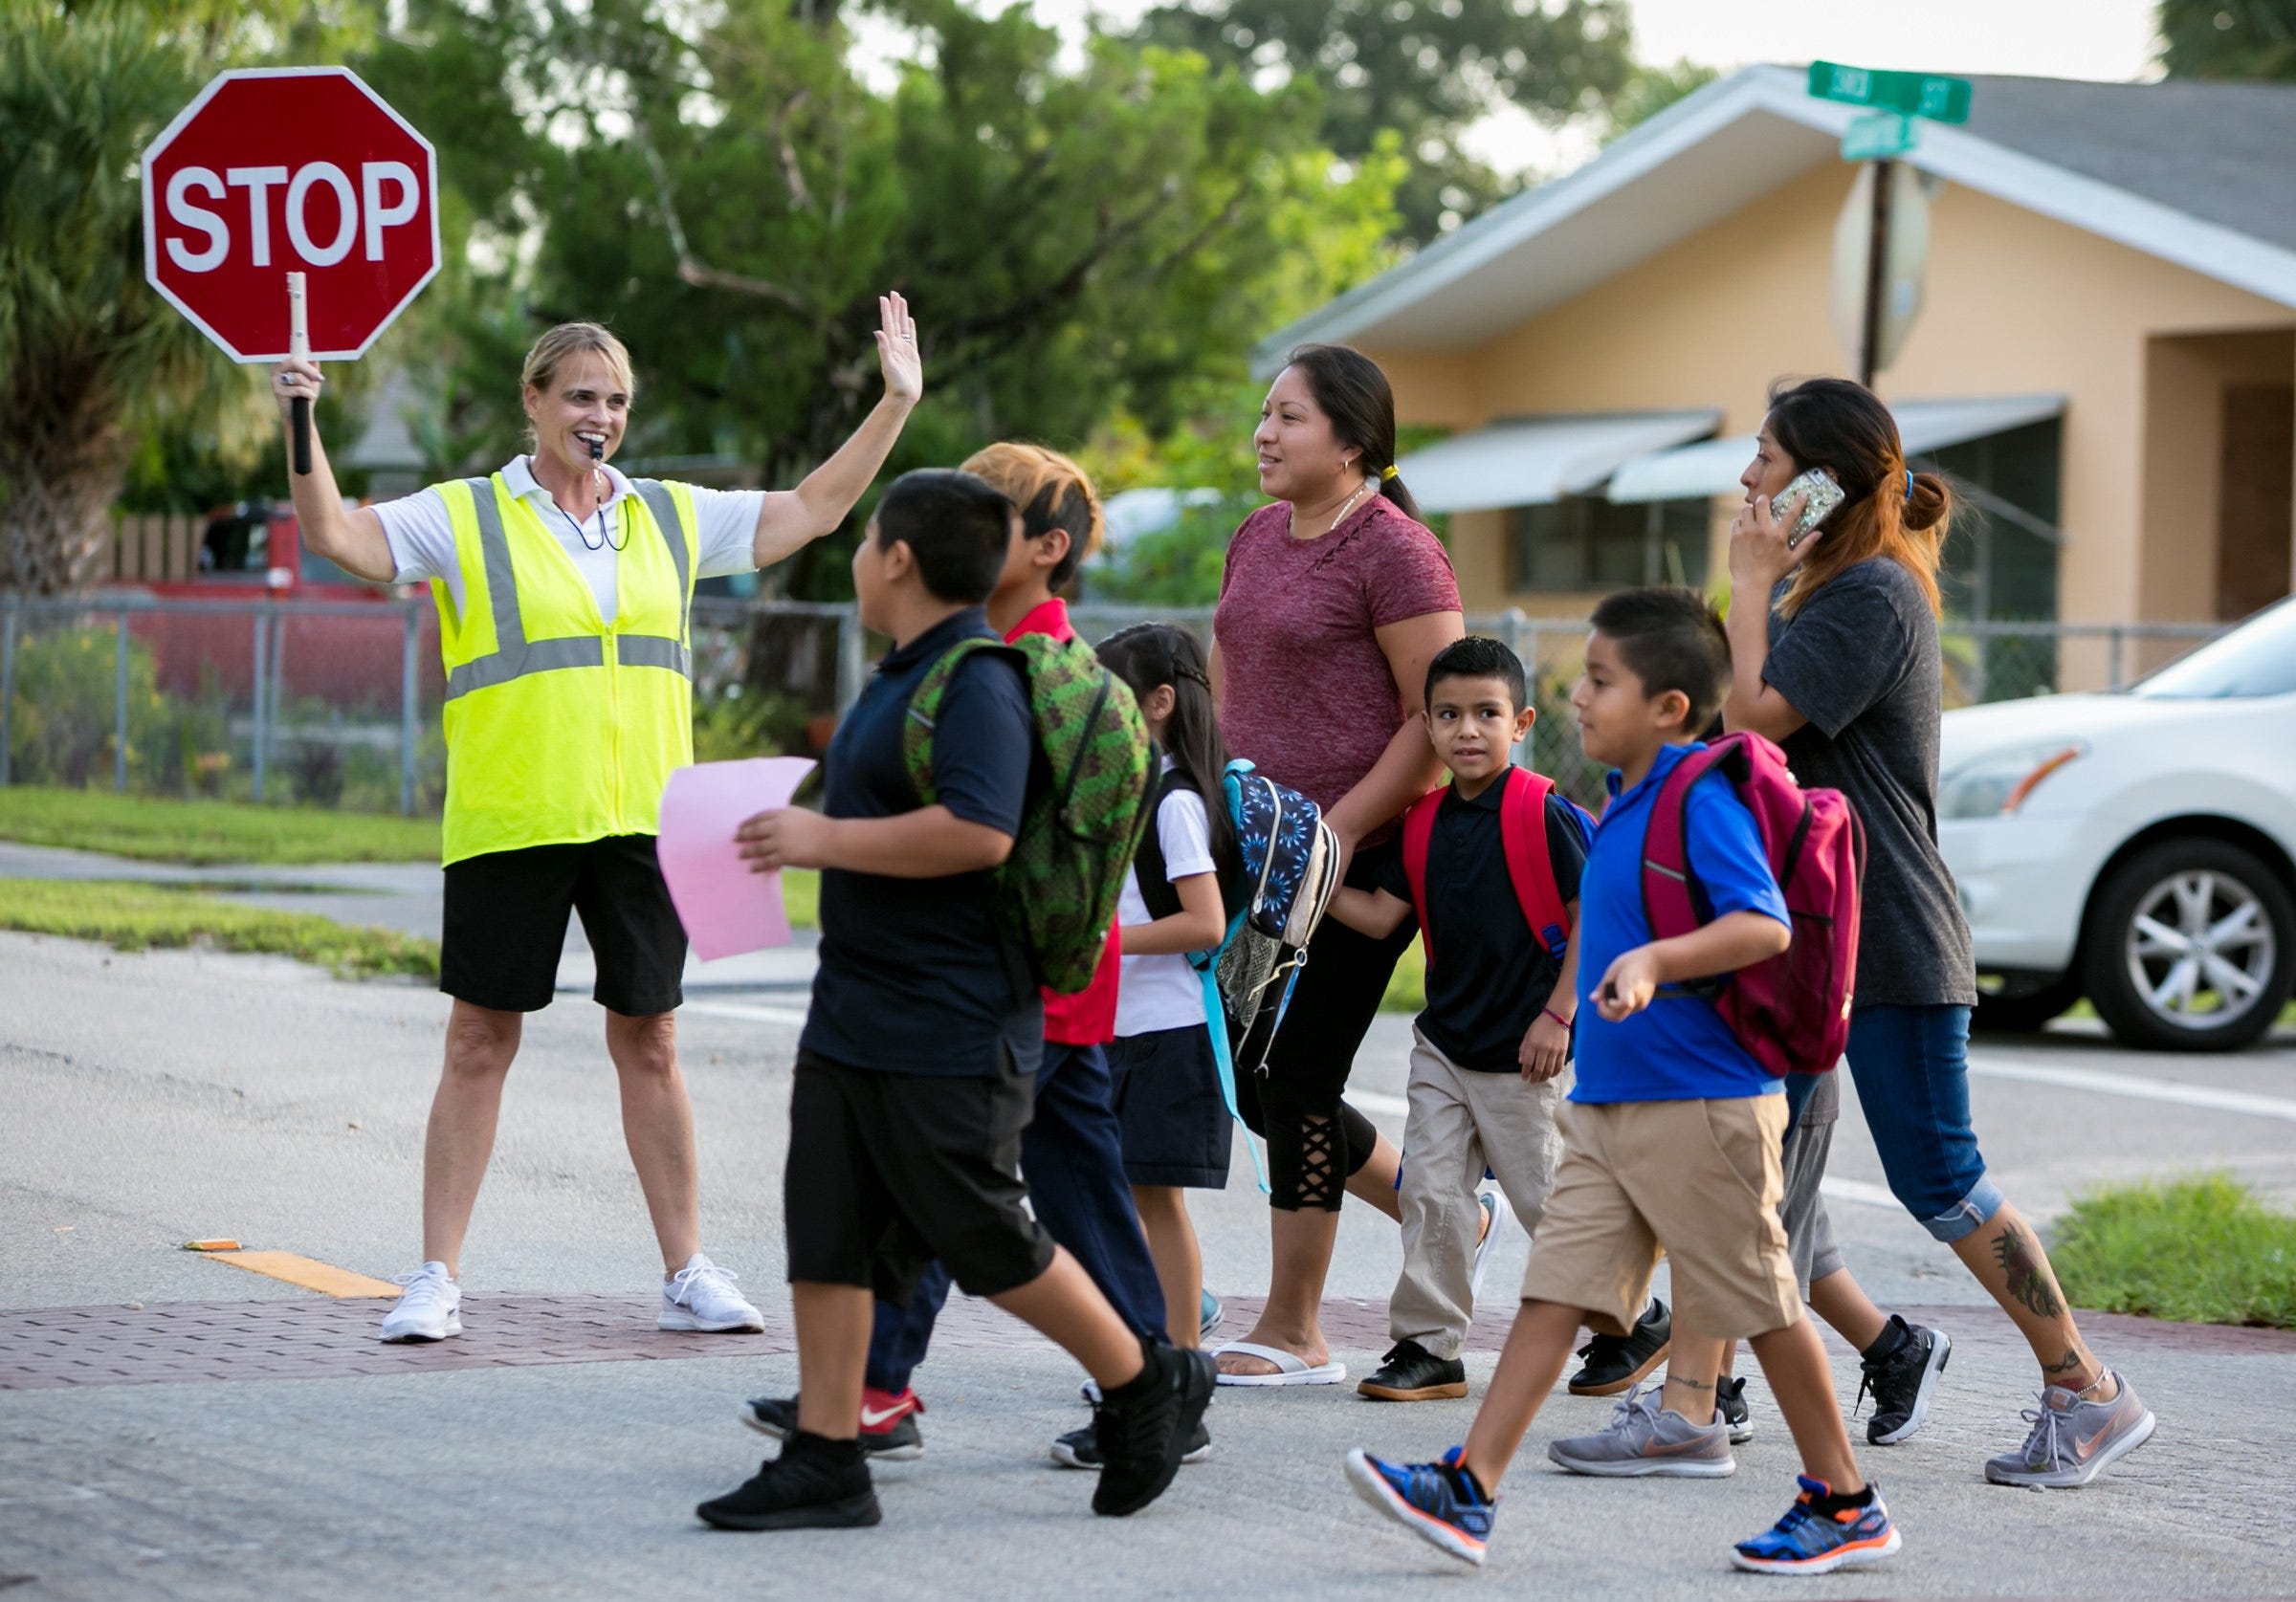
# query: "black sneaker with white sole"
[1077,1449]
[896,1441]
[1902,1382]
[1730,1405]
[813,1484]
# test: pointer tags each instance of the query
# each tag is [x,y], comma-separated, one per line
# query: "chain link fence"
[338,703]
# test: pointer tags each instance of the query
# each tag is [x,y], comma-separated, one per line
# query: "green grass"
[133,918]
[151,829]
[1407,986]
[801,897]
[2202,1250]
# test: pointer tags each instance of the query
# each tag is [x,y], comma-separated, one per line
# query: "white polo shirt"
[422,535]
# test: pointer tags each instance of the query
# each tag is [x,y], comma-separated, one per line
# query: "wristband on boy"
[1556,1017]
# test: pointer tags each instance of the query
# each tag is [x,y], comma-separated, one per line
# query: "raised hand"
[298,377]
[898,354]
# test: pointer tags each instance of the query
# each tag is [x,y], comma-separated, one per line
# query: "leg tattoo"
[2026,1275]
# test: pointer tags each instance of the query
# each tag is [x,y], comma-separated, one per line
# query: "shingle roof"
[2225,152]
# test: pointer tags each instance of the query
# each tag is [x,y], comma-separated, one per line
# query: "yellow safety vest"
[561,727]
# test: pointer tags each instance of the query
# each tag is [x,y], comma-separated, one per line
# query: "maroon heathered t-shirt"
[1306,690]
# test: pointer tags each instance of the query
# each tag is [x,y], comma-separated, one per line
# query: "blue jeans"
[1072,1158]
[1911,1066]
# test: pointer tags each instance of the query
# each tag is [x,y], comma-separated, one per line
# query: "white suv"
[2137,847]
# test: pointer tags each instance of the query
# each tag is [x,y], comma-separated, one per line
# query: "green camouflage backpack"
[1086,805]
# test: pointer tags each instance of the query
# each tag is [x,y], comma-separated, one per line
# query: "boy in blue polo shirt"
[916,1071]
[1671,1135]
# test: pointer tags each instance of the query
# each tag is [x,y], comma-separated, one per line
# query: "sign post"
[1900,101]
[294,179]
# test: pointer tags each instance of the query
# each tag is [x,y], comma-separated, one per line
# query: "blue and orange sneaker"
[1808,1542]
[1437,1501]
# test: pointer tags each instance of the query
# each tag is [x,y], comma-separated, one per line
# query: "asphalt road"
[155,1098]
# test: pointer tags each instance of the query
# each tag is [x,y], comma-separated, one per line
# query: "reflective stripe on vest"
[538,755]
[515,656]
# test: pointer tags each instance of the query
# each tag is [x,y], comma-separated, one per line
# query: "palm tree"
[88,353]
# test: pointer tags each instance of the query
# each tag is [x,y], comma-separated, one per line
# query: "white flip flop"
[1290,1368]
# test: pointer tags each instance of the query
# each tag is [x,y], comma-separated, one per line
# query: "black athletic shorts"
[888,1170]
[1175,1127]
[506,926]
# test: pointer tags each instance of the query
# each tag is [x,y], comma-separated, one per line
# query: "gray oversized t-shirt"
[1859,660]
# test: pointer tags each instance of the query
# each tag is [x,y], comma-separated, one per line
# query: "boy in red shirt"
[1071,1151]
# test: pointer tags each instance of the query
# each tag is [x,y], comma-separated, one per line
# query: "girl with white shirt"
[1173,1119]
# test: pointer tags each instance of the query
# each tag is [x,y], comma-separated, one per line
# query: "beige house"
[2106,349]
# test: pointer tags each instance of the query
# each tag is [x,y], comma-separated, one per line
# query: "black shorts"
[1175,1124]
[890,1171]
[505,926]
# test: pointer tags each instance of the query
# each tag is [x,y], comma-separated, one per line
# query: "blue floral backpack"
[1290,863]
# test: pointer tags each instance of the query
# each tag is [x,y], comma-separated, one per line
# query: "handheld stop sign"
[290,211]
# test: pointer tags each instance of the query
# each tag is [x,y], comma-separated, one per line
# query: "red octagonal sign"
[290,169]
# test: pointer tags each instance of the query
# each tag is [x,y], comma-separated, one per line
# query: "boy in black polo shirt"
[1489,1066]
[914,1069]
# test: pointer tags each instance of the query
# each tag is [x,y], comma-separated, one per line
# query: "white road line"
[1374,1101]
[793,1017]
[2138,1089]
[1858,1191]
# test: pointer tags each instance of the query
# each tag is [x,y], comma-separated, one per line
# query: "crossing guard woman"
[563,592]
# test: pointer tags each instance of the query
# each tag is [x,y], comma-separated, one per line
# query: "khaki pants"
[1459,1123]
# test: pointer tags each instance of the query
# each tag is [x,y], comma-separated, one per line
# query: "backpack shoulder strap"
[1669,901]
[924,707]
[1419,829]
[1530,864]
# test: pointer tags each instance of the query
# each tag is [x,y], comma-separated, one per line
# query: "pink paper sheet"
[726,908]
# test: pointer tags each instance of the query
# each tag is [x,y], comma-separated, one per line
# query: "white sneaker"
[1493,1203]
[701,1296]
[429,1311]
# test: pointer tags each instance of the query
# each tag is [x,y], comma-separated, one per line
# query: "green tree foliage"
[2253,39]
[1424,69]
[94,366]
[728,192]
[1650,89]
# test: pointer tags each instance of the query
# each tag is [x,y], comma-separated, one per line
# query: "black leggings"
[1315,1141]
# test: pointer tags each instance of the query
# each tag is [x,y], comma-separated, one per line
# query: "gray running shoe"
[1642,1441]
[2072,1440]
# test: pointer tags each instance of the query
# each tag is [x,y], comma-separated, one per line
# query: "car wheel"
[2023,1012]
[2190,947]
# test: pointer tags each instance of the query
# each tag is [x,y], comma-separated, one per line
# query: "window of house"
[1996,567]
[1584,543]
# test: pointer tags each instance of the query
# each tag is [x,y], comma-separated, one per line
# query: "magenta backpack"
[1791,1013]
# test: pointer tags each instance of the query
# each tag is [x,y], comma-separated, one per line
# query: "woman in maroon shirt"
[1333,601]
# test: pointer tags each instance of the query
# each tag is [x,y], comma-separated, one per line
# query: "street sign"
[281,170]
[1940,99]
[1879,135]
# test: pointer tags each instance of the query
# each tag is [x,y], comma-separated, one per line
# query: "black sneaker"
[1616,1363]
[1410,1372]
[1142,1438]
[1730,1405]
[809,1486]
[1077,1449]
[895,1440]
[1901,1383]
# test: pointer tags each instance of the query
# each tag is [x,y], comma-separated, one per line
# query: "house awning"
[1712,467]
[1531,461]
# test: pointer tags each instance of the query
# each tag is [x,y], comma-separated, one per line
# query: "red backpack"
[1791,1013]
[1523,833]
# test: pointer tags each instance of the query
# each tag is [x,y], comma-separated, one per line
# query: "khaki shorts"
[1699,1179]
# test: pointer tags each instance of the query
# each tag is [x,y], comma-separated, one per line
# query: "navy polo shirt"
[1677,1048]
[916,975]
[1490,975]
